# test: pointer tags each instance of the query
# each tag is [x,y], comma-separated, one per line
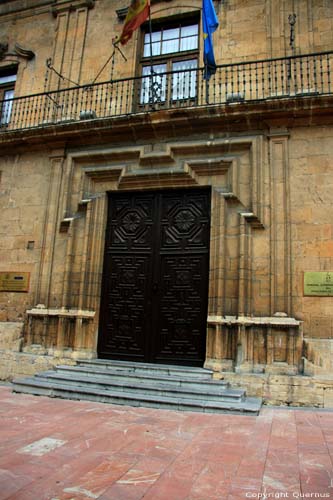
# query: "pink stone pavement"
[53,449]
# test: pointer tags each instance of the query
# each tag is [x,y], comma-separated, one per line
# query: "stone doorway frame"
[244,186]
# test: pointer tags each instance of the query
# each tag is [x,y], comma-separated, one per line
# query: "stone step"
[138,367]
[39,386]
[126,376]
[140,384]
[161,387]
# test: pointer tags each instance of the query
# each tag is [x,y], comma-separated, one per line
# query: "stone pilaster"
[280,271]
[49,232]
[71,27]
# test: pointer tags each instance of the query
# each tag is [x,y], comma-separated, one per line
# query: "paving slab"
[54,449]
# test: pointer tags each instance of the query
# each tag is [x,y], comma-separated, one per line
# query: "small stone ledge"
[278,321]
[61,312]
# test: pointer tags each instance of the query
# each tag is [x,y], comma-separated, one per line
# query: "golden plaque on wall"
[319,283]
[14,281]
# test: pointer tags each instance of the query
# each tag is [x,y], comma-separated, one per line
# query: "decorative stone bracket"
[17,52]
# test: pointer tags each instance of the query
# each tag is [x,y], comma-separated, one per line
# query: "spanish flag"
[137,13]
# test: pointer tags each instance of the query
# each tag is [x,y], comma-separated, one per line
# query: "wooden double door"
[155,277]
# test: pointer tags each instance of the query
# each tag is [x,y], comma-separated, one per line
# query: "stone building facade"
[143,209]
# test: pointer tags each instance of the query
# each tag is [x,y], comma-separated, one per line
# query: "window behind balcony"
[169,63]
[7,85]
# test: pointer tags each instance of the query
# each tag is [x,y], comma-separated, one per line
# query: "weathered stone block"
[11,335]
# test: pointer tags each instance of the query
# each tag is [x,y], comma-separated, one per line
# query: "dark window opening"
[7,87]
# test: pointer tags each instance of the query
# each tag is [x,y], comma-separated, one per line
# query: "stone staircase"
[140,384]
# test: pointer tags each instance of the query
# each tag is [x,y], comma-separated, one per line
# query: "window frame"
[169,59]
[7,86]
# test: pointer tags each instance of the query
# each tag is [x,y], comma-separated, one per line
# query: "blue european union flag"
[209,25]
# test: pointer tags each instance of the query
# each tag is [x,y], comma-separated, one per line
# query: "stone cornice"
[24,8]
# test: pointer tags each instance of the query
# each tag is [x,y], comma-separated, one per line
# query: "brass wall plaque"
[318,283]
[14,282]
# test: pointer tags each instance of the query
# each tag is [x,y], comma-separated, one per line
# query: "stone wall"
[285,390]
[24,186]
[11,335]
[311,187]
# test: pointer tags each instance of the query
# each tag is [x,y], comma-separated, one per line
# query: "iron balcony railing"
[287,77]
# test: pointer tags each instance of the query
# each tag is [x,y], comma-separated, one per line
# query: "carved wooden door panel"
[155,282]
